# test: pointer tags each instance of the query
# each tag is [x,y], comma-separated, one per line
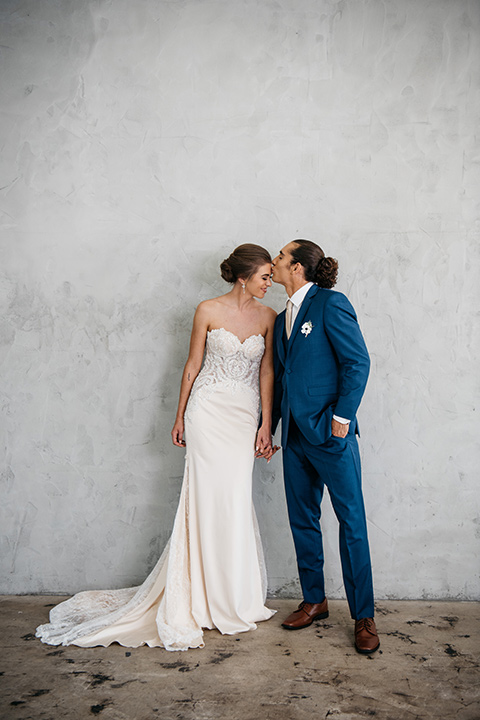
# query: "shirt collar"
[299,296]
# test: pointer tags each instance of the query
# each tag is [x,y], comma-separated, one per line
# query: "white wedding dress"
[211,573]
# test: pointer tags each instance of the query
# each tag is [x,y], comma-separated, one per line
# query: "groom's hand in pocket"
[339,429]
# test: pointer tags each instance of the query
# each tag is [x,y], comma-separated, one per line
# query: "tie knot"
[288,318]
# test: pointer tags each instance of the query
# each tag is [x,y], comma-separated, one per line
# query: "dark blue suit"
[319,373]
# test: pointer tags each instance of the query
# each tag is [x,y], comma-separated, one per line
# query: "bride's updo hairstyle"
[316,267]
[244,262]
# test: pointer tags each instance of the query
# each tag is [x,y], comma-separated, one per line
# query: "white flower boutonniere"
[307,328]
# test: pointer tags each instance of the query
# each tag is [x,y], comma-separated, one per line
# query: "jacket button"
[289,371]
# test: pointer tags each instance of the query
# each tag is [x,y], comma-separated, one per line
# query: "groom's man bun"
[321,270]
[243,262]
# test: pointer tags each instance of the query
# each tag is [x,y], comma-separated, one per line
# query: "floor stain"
[382,611]
[401,636]
[28,636]
[221,657]
[173,665]
[39,693]
[415,657]
[122,684]
[97,709]
[452,620]
[451,651]
[99,679]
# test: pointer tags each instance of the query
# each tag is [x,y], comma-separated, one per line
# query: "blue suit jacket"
[321,373]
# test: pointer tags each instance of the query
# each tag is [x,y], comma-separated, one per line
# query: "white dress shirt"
[297,299]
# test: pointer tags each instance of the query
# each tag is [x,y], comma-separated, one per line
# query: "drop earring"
[243,286]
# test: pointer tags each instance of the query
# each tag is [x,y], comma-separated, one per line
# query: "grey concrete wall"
[140,142]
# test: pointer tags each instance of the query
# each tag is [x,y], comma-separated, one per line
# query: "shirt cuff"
[344,421]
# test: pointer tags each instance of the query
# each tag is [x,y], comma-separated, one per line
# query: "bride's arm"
[264,435]
[191,370]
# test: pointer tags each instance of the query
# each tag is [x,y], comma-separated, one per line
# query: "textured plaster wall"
[140,142]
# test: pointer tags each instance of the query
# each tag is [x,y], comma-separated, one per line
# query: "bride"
[211,573]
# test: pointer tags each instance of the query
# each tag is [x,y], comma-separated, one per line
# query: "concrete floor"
[427,667]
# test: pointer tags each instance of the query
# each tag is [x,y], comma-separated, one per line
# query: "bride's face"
[260,281]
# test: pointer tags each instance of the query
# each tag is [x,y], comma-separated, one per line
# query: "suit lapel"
[301,315]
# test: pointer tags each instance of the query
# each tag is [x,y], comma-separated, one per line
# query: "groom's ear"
[298,271]
[296,268]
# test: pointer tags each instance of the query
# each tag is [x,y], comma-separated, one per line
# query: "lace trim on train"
[176,625]
[89,612]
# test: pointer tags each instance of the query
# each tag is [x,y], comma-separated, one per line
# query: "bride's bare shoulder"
[268,318]
[209,310]
[268,313]
[212,304]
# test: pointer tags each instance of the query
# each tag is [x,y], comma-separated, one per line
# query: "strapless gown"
[211,573]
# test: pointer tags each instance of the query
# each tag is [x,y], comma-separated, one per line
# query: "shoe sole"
[322,616]
[367,652]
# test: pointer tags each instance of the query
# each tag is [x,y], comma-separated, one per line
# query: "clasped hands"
[263,445]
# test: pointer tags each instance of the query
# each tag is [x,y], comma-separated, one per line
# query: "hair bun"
[243,262]
[226,271]
[327,272]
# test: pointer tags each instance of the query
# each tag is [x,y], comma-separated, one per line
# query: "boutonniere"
[307,328]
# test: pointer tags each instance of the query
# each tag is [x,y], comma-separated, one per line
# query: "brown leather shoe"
[306,614]
[366,638]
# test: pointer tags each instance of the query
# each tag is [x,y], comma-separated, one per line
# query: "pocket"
[335,444]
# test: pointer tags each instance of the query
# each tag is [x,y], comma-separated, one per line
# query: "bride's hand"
[263,442]
[177,433]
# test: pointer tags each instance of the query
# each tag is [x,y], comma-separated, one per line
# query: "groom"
[321,369]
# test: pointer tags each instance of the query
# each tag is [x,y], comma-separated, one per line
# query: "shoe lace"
[364,624]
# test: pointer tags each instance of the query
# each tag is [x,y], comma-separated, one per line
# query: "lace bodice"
[229,363]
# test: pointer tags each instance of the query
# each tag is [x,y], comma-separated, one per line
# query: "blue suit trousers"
[307,469]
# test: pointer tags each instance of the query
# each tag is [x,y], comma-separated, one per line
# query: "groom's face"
[281,265]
